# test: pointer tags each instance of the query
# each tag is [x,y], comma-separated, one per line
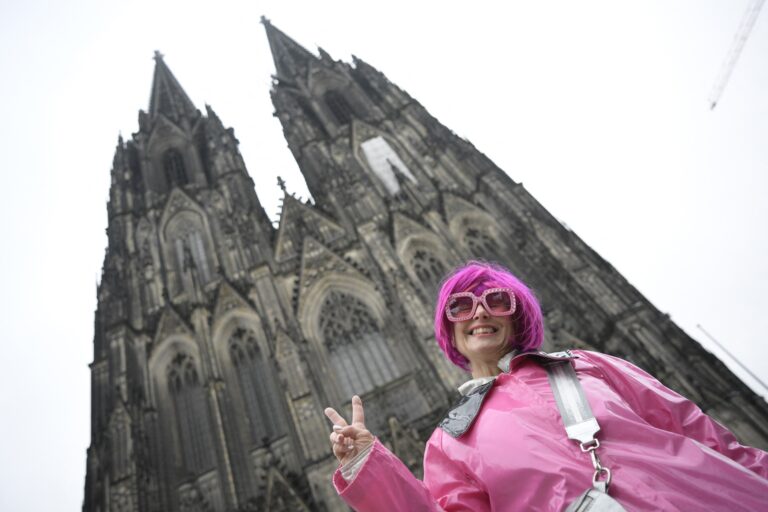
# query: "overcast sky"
[599,108]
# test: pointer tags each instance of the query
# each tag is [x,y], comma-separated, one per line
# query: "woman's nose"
[480,312]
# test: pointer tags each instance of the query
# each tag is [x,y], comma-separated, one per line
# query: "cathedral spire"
[291,59]
[167,96]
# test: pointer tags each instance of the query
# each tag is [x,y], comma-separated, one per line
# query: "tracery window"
[191,412]
[481,245]
[256,386]
[360,356]
[339,107]
[428,269]
[173,166]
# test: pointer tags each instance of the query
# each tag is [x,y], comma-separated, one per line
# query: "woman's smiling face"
[483,340]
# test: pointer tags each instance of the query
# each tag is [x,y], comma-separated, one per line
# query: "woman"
[512,454]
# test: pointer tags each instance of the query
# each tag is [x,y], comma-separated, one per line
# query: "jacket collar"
[542,357]
[460,418]
[508,362]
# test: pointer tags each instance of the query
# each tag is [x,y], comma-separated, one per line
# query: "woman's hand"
[349,439]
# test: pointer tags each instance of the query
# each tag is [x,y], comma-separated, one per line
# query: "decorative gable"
[177,201]
[228,299]
[284,346]
[455,206]
[298,220]
[405,229]
[362,131]
[318,261]
[164,130]
[170,323]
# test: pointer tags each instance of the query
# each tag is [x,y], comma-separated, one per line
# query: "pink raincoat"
[665,454]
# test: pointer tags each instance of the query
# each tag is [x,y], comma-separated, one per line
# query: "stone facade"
[219,338]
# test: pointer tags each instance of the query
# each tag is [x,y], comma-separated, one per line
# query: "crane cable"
[745,27]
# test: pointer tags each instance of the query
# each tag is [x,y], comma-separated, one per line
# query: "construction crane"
[745,27]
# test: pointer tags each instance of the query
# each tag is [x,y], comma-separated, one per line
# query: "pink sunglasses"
[496,301]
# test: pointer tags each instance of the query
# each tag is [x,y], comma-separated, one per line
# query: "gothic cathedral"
[219,338]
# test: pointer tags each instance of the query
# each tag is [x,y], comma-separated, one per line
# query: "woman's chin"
[487,347]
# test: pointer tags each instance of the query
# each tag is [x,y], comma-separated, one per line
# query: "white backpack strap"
[580,423]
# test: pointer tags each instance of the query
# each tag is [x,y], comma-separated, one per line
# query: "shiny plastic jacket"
[665,454]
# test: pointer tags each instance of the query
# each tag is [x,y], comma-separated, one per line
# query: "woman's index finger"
[335,417]
[358,416]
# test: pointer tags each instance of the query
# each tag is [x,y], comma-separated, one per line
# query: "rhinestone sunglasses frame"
[482,299]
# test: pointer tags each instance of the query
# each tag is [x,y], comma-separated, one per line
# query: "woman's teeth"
[483,330]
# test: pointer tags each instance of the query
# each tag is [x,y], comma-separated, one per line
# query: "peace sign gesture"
[349,440]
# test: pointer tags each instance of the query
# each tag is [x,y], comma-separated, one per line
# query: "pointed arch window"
[191,412]
[360,355]
[173,167]
[339,107]
[428,269]
[257,386]
[481,245]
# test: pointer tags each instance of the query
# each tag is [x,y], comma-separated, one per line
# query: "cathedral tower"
[219,338]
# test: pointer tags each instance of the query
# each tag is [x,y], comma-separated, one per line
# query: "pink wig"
[476,276]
